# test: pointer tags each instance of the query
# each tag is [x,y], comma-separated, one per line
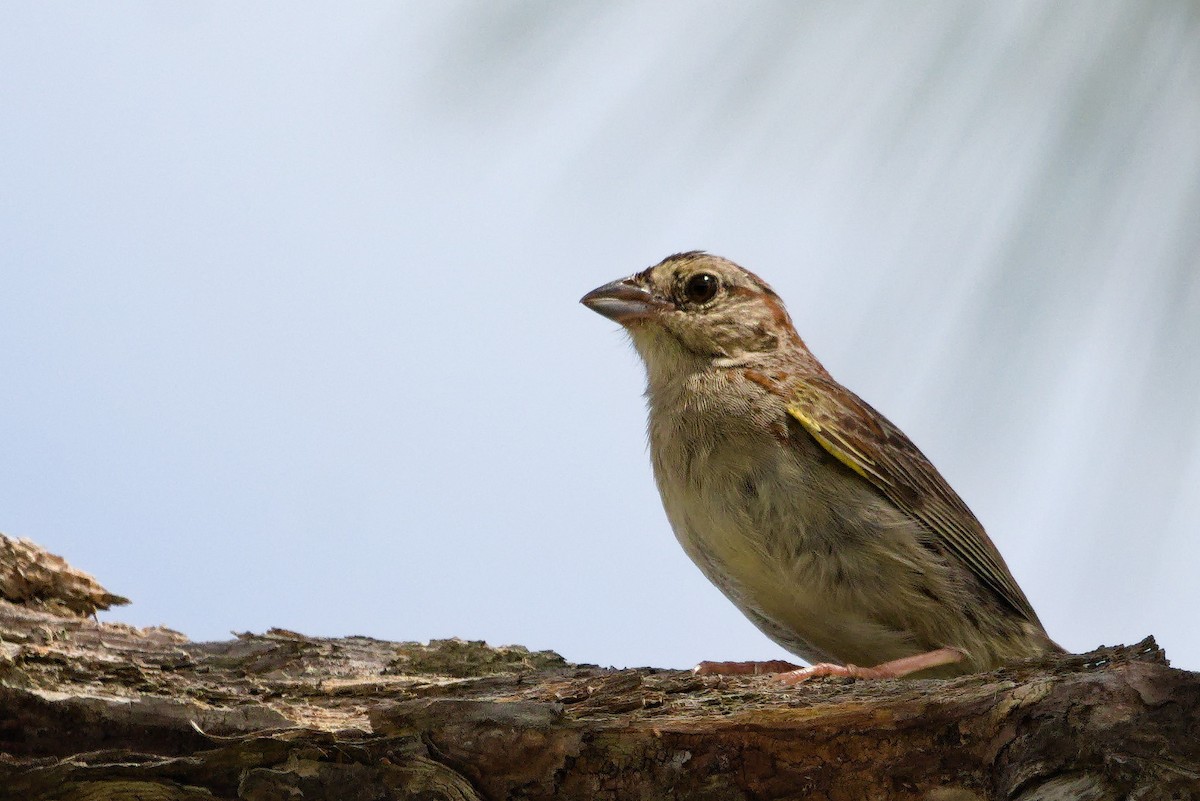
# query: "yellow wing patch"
[840,450]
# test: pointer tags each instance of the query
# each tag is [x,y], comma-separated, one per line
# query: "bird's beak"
[625,301]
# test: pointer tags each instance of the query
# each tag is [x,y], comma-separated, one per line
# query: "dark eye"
[701,288]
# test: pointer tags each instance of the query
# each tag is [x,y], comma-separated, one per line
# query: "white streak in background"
[289,296]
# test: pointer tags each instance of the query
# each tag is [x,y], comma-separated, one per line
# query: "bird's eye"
[701,288]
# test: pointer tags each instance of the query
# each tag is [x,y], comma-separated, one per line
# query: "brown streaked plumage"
[810,510]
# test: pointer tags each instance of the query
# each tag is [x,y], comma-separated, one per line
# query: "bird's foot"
[888,670]
[744,668]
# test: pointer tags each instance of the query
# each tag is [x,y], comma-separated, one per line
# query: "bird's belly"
[818,605]
[800,567]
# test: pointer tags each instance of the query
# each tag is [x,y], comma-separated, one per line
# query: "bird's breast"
[739,497]
[792,538]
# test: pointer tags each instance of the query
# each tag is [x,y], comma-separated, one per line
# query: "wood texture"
[107,711]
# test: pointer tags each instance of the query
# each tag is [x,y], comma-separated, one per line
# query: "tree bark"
[94,710]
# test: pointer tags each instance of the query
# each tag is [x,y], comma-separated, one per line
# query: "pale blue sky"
[288,319]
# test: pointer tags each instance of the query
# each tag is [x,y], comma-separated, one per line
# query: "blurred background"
[289,331]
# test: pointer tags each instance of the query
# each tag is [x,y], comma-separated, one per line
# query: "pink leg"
[888,670]
[743,668]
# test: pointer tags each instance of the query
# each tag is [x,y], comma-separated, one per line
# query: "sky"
[289,328]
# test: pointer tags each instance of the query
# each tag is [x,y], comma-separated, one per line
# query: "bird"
[811,511]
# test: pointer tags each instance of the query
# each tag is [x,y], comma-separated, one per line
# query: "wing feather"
[869,444]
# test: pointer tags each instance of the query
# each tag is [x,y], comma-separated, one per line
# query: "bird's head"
[696,308]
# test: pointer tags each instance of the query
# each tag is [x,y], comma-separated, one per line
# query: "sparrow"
[814,514]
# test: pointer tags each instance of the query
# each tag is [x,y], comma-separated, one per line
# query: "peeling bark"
[104,711]
[32,576]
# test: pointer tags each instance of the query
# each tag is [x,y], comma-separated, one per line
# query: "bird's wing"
[869,444]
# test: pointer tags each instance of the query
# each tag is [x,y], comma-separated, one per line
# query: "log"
[92,710]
